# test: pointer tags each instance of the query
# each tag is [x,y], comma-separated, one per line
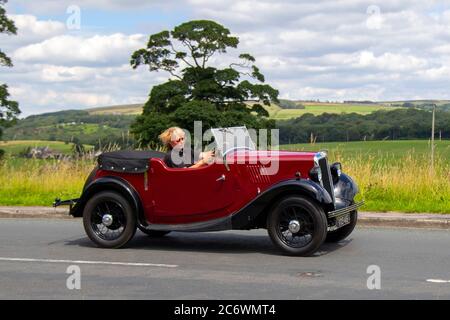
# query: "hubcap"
[107,220]
[294,226]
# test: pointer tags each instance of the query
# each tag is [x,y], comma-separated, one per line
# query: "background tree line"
[379,125]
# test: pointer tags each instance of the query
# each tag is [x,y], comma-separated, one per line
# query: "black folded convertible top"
[130,161]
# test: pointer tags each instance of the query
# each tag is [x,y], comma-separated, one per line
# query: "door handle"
[221,178]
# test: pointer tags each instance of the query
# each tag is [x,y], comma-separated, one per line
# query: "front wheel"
[297,225]
[109,220]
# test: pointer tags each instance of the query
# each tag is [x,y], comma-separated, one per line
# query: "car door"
[189,195]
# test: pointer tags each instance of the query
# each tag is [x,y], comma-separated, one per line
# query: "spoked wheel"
[297,225]
[109,220]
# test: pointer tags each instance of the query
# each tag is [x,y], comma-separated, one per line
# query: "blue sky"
[328,50]
[127,21]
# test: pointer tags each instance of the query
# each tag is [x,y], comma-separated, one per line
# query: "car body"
[305,198]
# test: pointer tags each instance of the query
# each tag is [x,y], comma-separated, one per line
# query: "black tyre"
[343,232]
[109,220]
[297,225]
[154,233]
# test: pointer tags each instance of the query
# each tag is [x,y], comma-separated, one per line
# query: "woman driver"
[178,157]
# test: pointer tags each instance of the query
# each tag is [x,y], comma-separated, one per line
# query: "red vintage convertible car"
[306,202]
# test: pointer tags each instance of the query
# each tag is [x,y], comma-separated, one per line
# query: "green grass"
[33,182]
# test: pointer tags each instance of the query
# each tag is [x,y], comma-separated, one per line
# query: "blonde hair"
[167,135]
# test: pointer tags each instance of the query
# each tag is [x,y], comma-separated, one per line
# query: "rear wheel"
[109,220]
[343,232]
[297,225]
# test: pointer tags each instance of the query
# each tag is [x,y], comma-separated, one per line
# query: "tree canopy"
[8,109]
[197,89]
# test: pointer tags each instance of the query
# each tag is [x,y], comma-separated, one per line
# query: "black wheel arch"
[254,214]
[111,183]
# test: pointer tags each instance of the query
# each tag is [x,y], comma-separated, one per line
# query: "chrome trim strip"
[345,210]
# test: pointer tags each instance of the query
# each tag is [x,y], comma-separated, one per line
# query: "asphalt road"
[35,255]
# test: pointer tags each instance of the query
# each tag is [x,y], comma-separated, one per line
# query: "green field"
[126,109]
[319,108]
[378,150]
[15,147]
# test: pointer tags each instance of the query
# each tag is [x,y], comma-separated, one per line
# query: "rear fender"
[110,183]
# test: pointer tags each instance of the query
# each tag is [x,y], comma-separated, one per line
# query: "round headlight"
[336,171]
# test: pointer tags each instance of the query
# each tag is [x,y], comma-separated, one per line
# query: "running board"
[212,225]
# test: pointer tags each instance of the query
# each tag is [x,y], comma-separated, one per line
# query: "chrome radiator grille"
[327,179]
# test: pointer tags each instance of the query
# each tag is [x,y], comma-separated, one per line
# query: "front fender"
[248,214]
[114,184]
[345,191]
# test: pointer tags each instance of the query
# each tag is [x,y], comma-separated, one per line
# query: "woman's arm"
[205,158]
[198,164]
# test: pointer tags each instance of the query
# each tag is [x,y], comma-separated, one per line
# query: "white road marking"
[133,264]
[438,281]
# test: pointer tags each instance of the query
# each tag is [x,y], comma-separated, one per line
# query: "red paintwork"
[175,196]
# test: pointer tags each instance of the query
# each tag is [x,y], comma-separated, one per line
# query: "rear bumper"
[71,203]
[343,211]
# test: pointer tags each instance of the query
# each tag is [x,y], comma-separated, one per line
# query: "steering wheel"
[224,156]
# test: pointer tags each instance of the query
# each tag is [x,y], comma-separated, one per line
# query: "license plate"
[342,220]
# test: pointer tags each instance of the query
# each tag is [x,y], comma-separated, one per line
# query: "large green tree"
[8,109]
[197,89]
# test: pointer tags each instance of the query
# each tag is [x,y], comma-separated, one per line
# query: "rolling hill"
[74,126]
[110,124]
[276,111]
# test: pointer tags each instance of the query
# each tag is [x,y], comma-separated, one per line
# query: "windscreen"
[237,138]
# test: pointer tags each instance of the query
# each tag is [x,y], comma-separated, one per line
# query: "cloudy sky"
[312,49]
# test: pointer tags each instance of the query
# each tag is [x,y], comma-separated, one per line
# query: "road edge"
[366,219]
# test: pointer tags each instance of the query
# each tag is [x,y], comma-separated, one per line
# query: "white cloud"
[79,98]
[30,30]
[43,87]
[52,73]
[77,50]
[390,61]
[29,25]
